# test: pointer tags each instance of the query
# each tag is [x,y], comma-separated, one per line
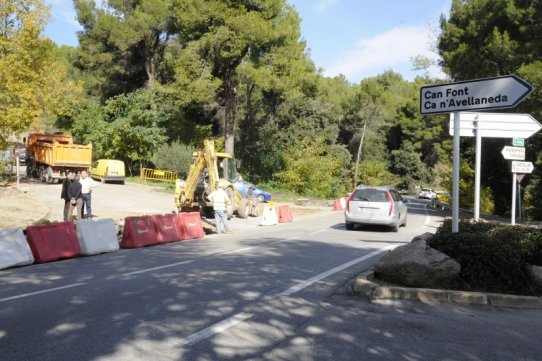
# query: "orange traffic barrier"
[285,214]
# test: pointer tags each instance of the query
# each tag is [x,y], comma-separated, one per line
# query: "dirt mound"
[19,209]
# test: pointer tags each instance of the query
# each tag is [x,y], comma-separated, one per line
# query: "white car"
[427,193]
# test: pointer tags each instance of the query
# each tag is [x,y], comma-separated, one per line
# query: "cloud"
[63,11]
[383,51]
[323,5]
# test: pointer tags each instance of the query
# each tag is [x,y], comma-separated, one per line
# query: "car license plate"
[368,210]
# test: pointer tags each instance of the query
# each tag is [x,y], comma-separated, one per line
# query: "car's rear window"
[370,195]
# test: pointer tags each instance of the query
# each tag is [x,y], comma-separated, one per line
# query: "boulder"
[535,273]
[417,265]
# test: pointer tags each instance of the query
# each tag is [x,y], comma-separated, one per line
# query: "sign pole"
[519,200]
[514,181]
[455,185]
[477,168]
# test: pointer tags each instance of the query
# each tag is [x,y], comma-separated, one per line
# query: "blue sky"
[357,38]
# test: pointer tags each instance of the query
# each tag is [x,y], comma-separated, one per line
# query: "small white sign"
[515,153]
[522,167]
[496,125]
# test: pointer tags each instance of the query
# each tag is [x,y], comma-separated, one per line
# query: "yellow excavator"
[203,178]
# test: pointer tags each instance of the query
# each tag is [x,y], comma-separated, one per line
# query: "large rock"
[535,273]
[417,265]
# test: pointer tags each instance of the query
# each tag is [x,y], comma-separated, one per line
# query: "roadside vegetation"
[151,79]
[493,257]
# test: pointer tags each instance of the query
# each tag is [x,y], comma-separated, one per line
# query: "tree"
[122,43]
[32,84]
[226,33]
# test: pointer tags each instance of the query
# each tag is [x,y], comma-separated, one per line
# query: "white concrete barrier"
[269,216]
[14,249]
[97,236]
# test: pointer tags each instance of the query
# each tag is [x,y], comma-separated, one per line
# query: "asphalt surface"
[262,293]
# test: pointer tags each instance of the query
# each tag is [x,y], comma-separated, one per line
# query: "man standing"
[76,200]
[87,184]
[64,194]
[220,200]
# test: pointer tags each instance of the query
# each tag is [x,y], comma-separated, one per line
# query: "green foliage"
[375,172]
[492,257]
[175,156]
[407,164]
[313,169]
[33,85]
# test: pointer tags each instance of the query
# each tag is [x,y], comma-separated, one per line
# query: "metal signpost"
[495,125]
[518,167]
[488,93]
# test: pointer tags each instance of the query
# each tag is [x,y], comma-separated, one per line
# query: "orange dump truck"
[49,156]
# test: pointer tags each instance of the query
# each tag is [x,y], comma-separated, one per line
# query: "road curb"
[364,285]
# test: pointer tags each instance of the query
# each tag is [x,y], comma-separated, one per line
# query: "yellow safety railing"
[159,175]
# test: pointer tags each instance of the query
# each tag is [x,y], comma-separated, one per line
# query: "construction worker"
[87,184]
[76,199]
[70,175]
[220,201]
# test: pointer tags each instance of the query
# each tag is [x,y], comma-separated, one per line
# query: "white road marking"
[427,217]
[216,328]
[40,292]
[236,251]
[320,231]
[310,281]
[156,268]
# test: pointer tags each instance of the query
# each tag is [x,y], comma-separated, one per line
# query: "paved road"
[272,293]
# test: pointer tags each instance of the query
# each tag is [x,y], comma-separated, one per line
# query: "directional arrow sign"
[488,93]
[516,153]
[496,125]
[522,167]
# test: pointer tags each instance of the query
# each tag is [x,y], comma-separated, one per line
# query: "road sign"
[515,153]
[522,167]
[519,177]
[518,142]
[496,125]
[487,93]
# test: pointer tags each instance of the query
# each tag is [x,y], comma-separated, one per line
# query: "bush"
[492,256]
[175,156]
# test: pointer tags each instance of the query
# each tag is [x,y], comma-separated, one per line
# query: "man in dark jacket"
[76,198]
[64,194]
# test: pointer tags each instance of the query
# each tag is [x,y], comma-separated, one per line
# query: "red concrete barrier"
[167,228]
[285,214]
[138,232]
[190,225]
[50,242]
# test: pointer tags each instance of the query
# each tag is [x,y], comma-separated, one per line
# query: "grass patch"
[161,186]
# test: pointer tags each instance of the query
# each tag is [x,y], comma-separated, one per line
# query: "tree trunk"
[359,153]
[229,108]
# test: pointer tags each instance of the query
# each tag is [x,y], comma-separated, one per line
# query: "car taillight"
[348,202]
[390,199]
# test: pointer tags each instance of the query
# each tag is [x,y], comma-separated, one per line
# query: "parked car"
[22,154]
[242,187]
[376,205]
[108,170]
[427,193]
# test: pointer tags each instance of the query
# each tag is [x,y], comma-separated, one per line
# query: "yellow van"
[108,170]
